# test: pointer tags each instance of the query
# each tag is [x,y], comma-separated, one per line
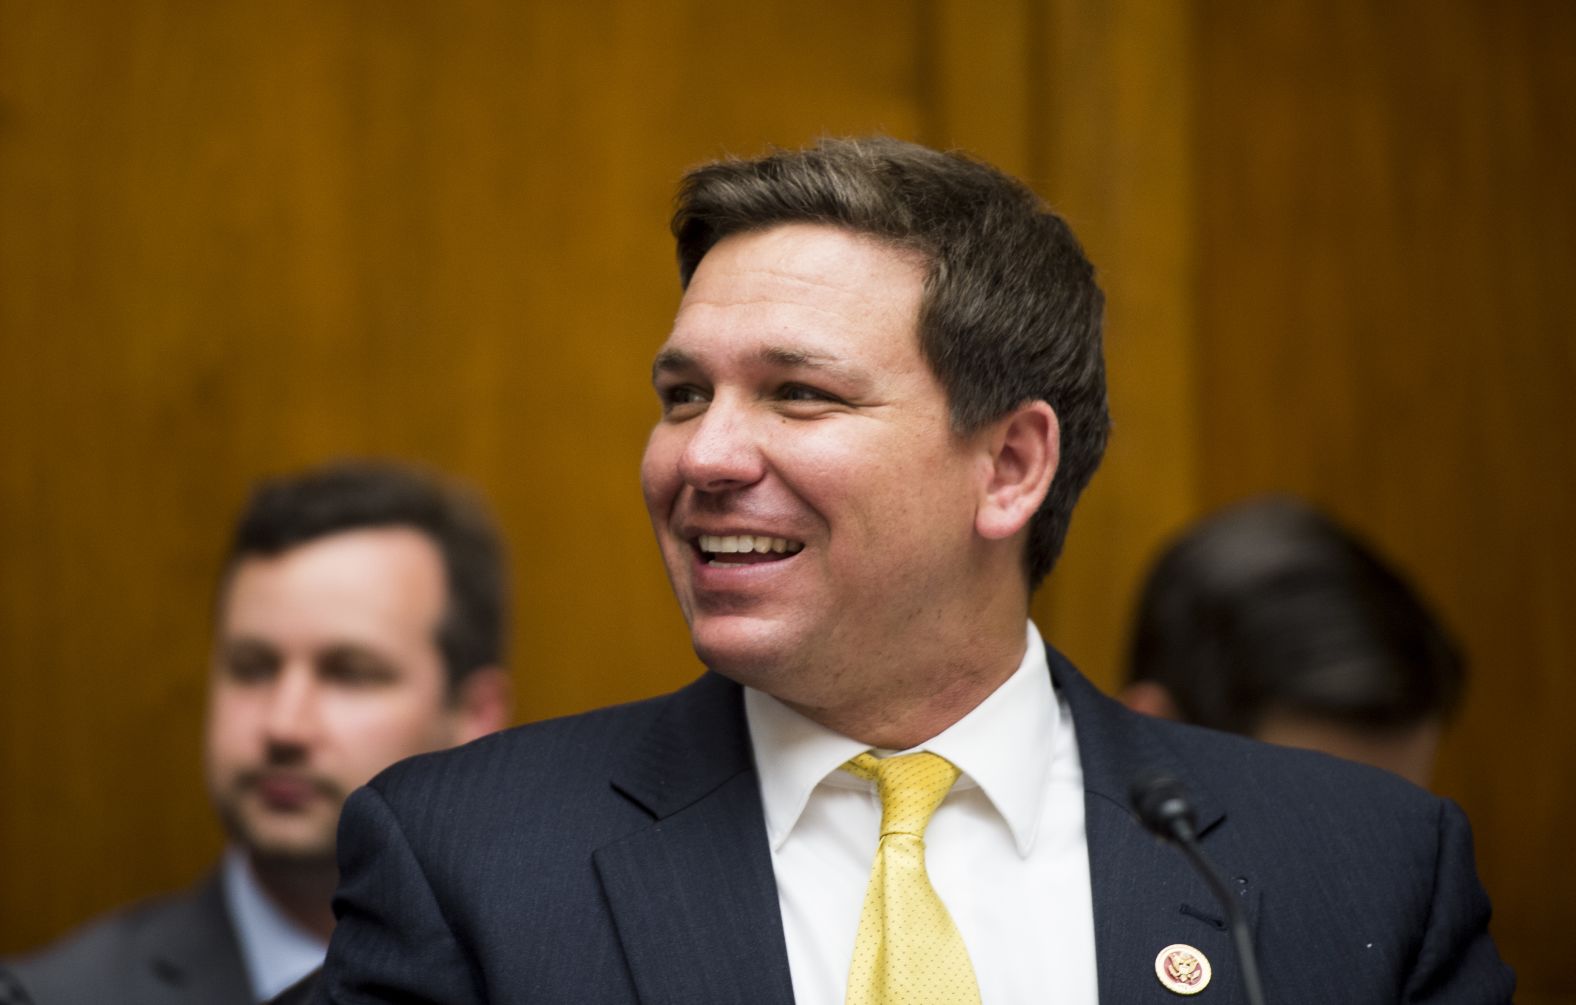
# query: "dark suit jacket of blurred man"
[166,951]
[621,856]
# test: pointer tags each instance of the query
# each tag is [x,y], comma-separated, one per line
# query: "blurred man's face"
[1408,751]
[325,670]
[813,506]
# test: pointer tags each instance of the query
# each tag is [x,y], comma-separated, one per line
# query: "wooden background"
[1338,238]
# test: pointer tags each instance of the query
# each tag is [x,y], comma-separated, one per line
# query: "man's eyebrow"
[676,360]
[244,643]
[784,356]
[671,361]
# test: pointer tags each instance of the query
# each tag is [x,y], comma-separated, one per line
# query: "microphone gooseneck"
[1161,802]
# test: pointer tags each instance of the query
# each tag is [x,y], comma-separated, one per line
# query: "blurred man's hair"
[292,510]
[1011,313]
[1271,607]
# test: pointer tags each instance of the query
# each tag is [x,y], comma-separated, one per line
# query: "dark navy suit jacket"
[621,856]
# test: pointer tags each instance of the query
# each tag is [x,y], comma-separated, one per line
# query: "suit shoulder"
[1119,745]
[1253,766]
[572,746]
[1306,809]
[102,936]
[105,952]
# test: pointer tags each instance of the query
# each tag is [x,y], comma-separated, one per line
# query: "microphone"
[1161,802]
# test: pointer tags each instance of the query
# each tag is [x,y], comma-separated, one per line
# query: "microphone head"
[1161,802]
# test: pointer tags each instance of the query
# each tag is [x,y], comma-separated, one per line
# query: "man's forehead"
[366,568]
[802,297]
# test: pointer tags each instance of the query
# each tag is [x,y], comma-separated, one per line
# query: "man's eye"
[680,396]
[249,667]
[355,670]
[801,392]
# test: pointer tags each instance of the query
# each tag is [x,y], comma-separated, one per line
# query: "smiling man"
[797,408]
[359,620]
[881,397]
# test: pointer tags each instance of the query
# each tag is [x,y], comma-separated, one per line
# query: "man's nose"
[291,718]
[724,451]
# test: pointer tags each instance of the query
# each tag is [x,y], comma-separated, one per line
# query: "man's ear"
[1024,448]
[483,704]
[1150,698]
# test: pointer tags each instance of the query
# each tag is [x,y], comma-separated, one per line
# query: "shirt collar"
[278,952]
[1004,746]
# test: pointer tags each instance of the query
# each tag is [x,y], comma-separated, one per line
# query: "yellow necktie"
[908,951]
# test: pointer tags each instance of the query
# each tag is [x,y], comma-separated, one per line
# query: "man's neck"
[926,701]
[303,891]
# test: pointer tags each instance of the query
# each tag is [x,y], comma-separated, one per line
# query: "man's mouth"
[745,549]
[287,790]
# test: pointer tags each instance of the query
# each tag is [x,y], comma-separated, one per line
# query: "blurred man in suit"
[360,619]
[881,396]
[1272,620]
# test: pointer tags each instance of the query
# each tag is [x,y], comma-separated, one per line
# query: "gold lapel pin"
[1182,969]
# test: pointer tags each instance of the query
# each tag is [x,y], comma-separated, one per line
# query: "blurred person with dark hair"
[1272,620]
[360,619]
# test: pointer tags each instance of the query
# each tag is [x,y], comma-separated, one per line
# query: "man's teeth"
[737,543]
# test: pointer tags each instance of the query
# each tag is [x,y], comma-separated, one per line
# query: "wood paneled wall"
[237,238]
[1387,238]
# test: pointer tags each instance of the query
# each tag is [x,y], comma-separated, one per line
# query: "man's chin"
[293,844]
[276,857]
[733,657]
[749,655]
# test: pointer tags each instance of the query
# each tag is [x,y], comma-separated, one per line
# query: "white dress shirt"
[1006,851]
[277,951]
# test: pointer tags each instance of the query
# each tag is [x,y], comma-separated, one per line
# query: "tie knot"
[911,787]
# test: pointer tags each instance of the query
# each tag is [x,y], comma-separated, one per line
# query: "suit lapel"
[1146,894]
[694,897]
[190,953]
